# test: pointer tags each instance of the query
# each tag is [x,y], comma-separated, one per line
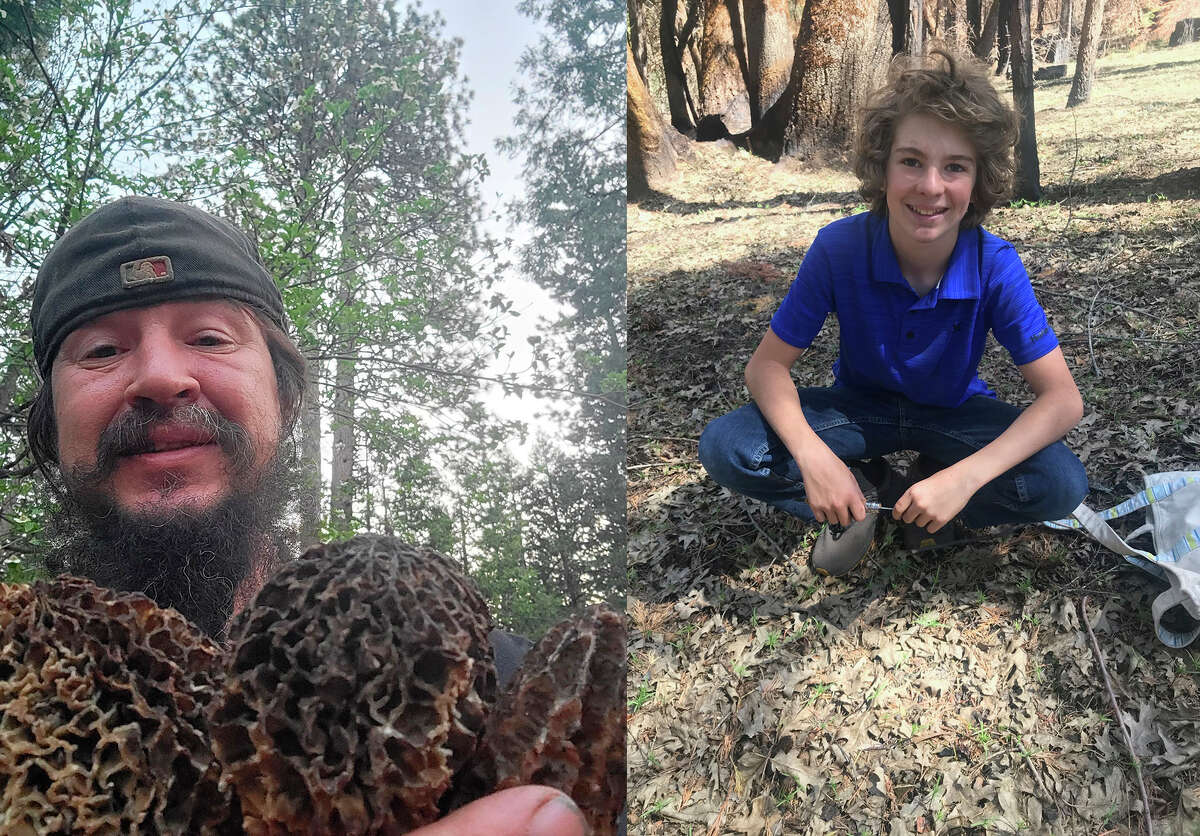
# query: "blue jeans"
[743,453]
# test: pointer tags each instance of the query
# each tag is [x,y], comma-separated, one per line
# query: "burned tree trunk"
[1028,185]
[974,23]
[983,47]
[898,14]
[724,101]
[1003,41]
[769,52]
[825,33]
[683,109]
[636,40]
[1085,61]
[650,158]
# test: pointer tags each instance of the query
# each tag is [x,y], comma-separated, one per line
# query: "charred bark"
[636,40]
[724,101]
[769,53]
[983,47]
[1028,185]
[898,14]
[814,116]
[974,23]
[1003,36]
[650,157]
[679,100]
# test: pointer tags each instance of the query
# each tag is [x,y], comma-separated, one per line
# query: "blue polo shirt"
[926,348]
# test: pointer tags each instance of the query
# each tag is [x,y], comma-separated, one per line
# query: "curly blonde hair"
[959,93]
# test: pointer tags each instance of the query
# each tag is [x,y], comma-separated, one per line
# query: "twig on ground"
[778,549]
[667,463]
[1091,350]
[1071,179]
[716,825]
[1081,611]
[663,438]
[1068,334]
[1106,300]
[1037,776]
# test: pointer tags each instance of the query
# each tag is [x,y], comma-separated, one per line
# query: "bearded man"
[169,391]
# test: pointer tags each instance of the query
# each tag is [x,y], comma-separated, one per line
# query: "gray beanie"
[140,251]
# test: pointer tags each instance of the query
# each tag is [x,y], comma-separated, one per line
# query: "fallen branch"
[1081,611]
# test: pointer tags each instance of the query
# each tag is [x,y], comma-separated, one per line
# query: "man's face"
[118,384]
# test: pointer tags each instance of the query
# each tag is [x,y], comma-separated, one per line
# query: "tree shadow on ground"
[669,205]
[1181,184]
[1149,69]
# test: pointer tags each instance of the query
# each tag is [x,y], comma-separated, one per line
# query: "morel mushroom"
[102,726]
[562,721]
[357,686]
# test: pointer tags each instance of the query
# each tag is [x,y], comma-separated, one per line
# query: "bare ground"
[949,694]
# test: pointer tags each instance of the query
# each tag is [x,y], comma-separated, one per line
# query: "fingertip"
[558,816]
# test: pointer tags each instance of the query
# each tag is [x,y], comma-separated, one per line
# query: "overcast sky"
[494,35]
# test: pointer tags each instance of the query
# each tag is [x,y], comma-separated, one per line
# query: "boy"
[916,284]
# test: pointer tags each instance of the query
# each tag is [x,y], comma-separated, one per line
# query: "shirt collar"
[962,279]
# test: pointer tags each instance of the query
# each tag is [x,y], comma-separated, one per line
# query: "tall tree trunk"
[814,117]
[1085,60]
[1003,39]
[724,102]
[983,47]
[650,158]
[898,14]
[683,110]
[769,52]
[341,482]
[916,27]
[1029,184]
[310,462]
[636,39]
[974,24]
[1062,46]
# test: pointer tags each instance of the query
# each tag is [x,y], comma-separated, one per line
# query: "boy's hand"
[830,488]
[933,502]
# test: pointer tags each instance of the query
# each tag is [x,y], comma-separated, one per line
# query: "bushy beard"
[194,560]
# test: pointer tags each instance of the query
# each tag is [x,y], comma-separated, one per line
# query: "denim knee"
[1059,486]
[715,453]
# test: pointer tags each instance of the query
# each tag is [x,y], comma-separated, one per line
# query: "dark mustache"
[129,434]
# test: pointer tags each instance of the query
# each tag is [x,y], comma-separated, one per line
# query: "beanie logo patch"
[155,270]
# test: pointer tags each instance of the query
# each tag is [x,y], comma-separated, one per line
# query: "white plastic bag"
[1174,522]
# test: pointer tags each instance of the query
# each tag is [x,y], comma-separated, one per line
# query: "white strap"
[1184,584]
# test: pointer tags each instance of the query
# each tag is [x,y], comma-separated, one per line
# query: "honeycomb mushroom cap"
[561,722]
[357,686]
[102,725]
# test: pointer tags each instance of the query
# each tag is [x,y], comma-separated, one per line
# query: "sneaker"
[839,549]
[915,537]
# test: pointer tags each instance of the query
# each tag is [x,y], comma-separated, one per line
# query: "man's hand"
[830,488]
[933,502]
[520,811]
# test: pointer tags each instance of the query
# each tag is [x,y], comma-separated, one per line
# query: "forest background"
[333,133]
[925,693]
